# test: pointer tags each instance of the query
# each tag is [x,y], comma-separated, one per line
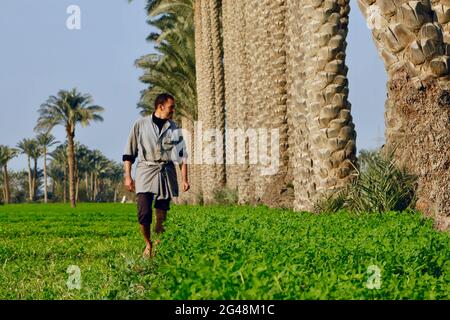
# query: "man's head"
[165,106]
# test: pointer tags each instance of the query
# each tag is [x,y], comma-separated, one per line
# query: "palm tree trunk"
[330,129]
[35,180]
[30,182]
[231,60]
[274,177]
[94,196]
[219,90]
[417,108]
[45,176]
[53,189]
[6,181]
[65,183]
[4,192]
[71,160]
[86,180]
[206,102]
[77,180]
[92,186]
[299,144]
[243,93]
[197,151]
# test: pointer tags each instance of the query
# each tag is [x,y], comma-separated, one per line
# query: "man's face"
[167,109]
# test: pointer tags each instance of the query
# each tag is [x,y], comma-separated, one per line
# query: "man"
[156,142]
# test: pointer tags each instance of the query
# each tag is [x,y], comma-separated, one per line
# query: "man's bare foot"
[147,252]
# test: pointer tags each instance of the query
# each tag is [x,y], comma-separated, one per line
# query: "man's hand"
[129,184]
[186,186]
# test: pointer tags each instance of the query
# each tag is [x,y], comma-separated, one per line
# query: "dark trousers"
[144,207]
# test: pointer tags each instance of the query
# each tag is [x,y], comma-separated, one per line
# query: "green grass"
[219,252]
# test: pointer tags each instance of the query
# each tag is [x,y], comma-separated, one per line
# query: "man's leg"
[160,218]
[144,204]
[161,208]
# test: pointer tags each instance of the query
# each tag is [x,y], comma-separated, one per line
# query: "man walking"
[156,142]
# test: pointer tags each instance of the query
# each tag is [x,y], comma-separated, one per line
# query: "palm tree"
[210,88]
[6,154]
[46,140]
[413,42]
[67,109]
[29,147]
[172,69]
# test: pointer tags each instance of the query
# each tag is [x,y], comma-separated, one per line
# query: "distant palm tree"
[67,109]
[6,154]
[29,147]
[46,140]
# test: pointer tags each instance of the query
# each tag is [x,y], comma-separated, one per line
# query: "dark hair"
[162,98]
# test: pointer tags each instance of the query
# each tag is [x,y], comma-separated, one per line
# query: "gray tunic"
[156,154]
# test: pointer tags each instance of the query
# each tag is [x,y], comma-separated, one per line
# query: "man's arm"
[184,175]
[128,180]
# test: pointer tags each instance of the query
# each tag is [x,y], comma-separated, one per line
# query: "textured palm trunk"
[277,189]
[299,146]
[255,108]
[231,58]
[219,90]
[71,162]
[196,155]
[45,176]
[410,39]
[211,181]
[441,8]
[327,130]
[244,100]
[6,181]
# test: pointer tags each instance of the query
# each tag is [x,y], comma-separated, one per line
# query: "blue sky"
[39,55]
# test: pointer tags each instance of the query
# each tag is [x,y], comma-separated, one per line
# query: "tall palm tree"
[67,109]
[172,69]
[412,39]
[6,154]
[211,96]
[46,140]
[29,147]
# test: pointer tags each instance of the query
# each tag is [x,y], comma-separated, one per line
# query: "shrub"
[380,186]
[225,196]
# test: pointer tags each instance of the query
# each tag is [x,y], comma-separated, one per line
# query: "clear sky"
[39,55]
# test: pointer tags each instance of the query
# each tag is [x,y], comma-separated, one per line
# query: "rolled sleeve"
[130,152]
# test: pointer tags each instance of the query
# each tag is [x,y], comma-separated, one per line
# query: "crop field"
[219,252]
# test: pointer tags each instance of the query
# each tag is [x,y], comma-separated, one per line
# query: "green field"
[220,253]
